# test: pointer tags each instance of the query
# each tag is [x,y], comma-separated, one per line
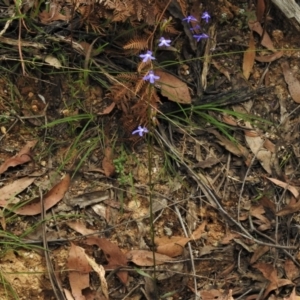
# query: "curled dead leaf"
[269,58]
[50,199]
[173,88]
[266,40]
[292,82]
[249,57]
[22,157]
[145,258]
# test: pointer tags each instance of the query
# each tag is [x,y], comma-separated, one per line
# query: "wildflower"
[189,19]
[200,36]
[197,27]
[206,16]
[164,42]
[147,56]
[141,130]
[151,77]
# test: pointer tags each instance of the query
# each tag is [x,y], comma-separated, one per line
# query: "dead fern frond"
[137,43]
[130,77]
[183,6]
[171,29]
[142,65]
[139,85]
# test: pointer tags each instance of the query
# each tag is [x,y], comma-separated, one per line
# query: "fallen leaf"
[291,270]
[172,246]
[79,271]
[53,61]
[257,212]
[235,148]
[107,163]
[173,88]
[268,271]
[256,145]
[284,185]
[108,109]
[80,227]
[266,40]
[289,209]
[292,82]
[115,257]
[22,157]
[269,58]
[101,273]
[259,252]
[9,191]
[249,57]
[197,234]
[145,258]
[50,199]
[221,69]
[260,10]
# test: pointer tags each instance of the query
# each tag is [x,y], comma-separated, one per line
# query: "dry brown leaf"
[80,227]
[256,145]
[196,235]
[145,258]
[257,212]
[229,237]
[172,246]
[292,82]
[267,203]
[101,273]
[50,199]
[284,185]
[260,10]
[249,57]
[235,148]
[108,109]
[115,257]
[289,209]
[173,88]
[79,275]
[269,58]
[268,271]
[22,157]
[266,40]
[107,163]
[269,145]
[221,69]
[259,252]
[211,294]
[11,190]
[276,285]
[291,270]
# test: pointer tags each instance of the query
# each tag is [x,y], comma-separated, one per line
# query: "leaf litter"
[222,257]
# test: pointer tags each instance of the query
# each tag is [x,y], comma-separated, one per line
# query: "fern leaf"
[137,43]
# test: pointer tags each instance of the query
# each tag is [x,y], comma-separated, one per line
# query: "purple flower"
[164,42]
[197,27]
[200,36]
[151,77]
[189,19]
[141,130]
[147,56]
[206,16]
